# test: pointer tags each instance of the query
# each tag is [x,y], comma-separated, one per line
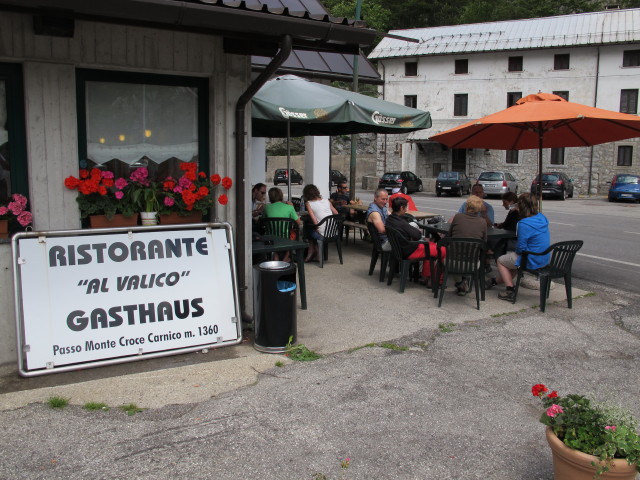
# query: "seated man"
[340,200]
[398,220]
[487,210]
[510,203]
[395,193]
[258,193]
[377,214]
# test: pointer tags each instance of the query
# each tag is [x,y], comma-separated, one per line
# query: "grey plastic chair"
[332,230]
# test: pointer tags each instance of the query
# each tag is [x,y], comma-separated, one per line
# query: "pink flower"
[25,218]
[554,410]
[19,199]
[121,183]
[4,210]
[140,175]
[119,195]
[610,427]
[15,208]
[169,201]
[107,174]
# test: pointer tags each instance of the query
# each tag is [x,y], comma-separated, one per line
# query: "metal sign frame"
[126,291]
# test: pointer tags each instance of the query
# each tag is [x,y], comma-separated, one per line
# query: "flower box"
[176,219]
[118,220]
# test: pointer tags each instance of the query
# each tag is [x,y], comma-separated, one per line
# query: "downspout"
[595,104]
[271,68]
[384,73]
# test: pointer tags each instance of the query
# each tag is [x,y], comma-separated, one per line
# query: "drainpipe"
[354,136]
[384,74]
[276,62]
[595,104]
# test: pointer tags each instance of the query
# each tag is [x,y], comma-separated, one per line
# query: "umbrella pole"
[288,161]
[539,191]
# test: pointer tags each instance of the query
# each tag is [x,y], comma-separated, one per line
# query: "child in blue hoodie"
[533,236]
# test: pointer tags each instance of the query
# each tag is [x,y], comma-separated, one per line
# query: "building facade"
[460,73]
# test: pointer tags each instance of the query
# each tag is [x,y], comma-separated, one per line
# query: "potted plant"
[144,193]
[100,200]
[589,439]
[191,196]
[13,214]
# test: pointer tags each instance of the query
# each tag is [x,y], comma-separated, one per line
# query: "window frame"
[627,156]
[560,60]
[557,156]
[458,107]
[511,157]
[631,58]
[511,100]
[562,93]
[411,101]
[463,63]
[91,75]
[12,75]
[407,73]
[515,63]
[629,96]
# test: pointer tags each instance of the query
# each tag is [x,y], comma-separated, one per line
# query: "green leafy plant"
[300,353]
[95,406]
[393,346]
[446,327]
[593,428]
[130,409]
[57,402]
[279,363]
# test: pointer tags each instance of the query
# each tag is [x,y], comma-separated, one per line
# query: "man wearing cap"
[397,193]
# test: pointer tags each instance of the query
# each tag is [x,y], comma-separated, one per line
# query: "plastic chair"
[398,241]
[376,252]
[279,227]
[465,257]
[562,255]
[332,230]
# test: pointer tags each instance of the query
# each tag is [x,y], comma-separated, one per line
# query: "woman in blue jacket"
[533,236]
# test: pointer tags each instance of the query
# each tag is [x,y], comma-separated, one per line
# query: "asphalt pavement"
[404,389]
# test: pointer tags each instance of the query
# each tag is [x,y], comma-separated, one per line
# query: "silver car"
[497,183]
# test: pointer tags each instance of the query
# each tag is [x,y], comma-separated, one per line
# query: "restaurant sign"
[87,297]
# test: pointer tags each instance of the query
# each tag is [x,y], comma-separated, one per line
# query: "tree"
[373,12]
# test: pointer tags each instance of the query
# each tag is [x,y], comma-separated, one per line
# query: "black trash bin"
[274,305]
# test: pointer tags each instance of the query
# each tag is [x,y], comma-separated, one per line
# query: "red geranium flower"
[227,183]
[215,179]
[223,199]
[538,389]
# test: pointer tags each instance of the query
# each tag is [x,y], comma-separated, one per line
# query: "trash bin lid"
[274,265]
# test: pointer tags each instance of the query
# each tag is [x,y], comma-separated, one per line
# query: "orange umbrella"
[542,120]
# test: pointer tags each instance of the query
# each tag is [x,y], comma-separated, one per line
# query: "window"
[624,156]
[631,58]
[129,120]
[460,104]
[411,69]
[515,64]
[561,61]
[557,156]
[462,66]
[512,156]
[411,101]
[512,98]
[629,101]
[562,93]
[13,152]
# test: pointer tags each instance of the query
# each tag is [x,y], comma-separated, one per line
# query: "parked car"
[554,184]
[625,187]
[453,183]
[407,181]
[282,176]
[337,177]
[497,183]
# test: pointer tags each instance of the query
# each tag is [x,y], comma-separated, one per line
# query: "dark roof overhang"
[310,28]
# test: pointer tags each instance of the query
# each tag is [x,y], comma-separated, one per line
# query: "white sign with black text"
[93,297]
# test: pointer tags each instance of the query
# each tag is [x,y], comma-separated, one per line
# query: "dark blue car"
[625,187]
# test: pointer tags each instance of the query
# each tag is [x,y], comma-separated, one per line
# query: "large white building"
[463,72]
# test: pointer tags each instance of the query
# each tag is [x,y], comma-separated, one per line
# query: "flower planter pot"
[570,464]
[175,219]
[149,218]
[4,228]
[118,220]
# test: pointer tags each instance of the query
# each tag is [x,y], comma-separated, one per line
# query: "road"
[611,232]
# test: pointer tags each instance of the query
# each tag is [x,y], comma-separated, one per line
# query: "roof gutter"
[286,45]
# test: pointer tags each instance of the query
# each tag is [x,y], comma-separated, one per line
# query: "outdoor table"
[416,214]
[492,232]
[281,244]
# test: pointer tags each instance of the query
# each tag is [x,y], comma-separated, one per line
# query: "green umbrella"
[292,106]
[315,109]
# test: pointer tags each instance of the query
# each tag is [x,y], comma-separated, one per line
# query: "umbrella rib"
[616,122]
[470,136]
